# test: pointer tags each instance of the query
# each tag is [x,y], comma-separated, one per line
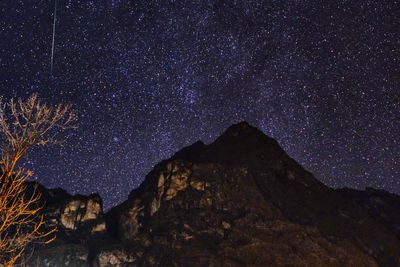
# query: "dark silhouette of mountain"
[239,201]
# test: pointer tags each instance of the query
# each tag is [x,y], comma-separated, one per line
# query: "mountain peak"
[227,203]
[239,143]
[240,126]
[242,130]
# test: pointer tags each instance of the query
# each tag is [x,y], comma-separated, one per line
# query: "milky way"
[149,77]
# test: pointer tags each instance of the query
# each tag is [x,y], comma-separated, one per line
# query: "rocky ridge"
[239,201]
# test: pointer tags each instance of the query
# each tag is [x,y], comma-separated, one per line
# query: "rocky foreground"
[240,201]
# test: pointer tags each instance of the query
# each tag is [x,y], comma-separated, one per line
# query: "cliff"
[238,201]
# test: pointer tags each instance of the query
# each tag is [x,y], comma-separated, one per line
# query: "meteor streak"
[54,34]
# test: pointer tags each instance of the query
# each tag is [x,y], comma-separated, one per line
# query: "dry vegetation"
[24,124]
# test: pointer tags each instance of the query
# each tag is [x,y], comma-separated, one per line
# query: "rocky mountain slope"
[240,201]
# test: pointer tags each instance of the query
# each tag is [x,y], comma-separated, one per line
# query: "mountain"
[239,201]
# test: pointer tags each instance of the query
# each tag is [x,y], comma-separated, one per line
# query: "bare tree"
[24,124]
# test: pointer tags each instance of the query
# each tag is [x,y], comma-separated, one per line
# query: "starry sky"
[150,77]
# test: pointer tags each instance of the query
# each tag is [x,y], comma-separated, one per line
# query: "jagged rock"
[81,212]
[79,221]
[240,201]
[114,258]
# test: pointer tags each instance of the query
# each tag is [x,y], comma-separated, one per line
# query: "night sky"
[150,77]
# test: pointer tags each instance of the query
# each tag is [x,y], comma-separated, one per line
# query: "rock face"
[79,221]
[239,201]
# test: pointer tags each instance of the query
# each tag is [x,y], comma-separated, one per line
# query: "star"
[149,78]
